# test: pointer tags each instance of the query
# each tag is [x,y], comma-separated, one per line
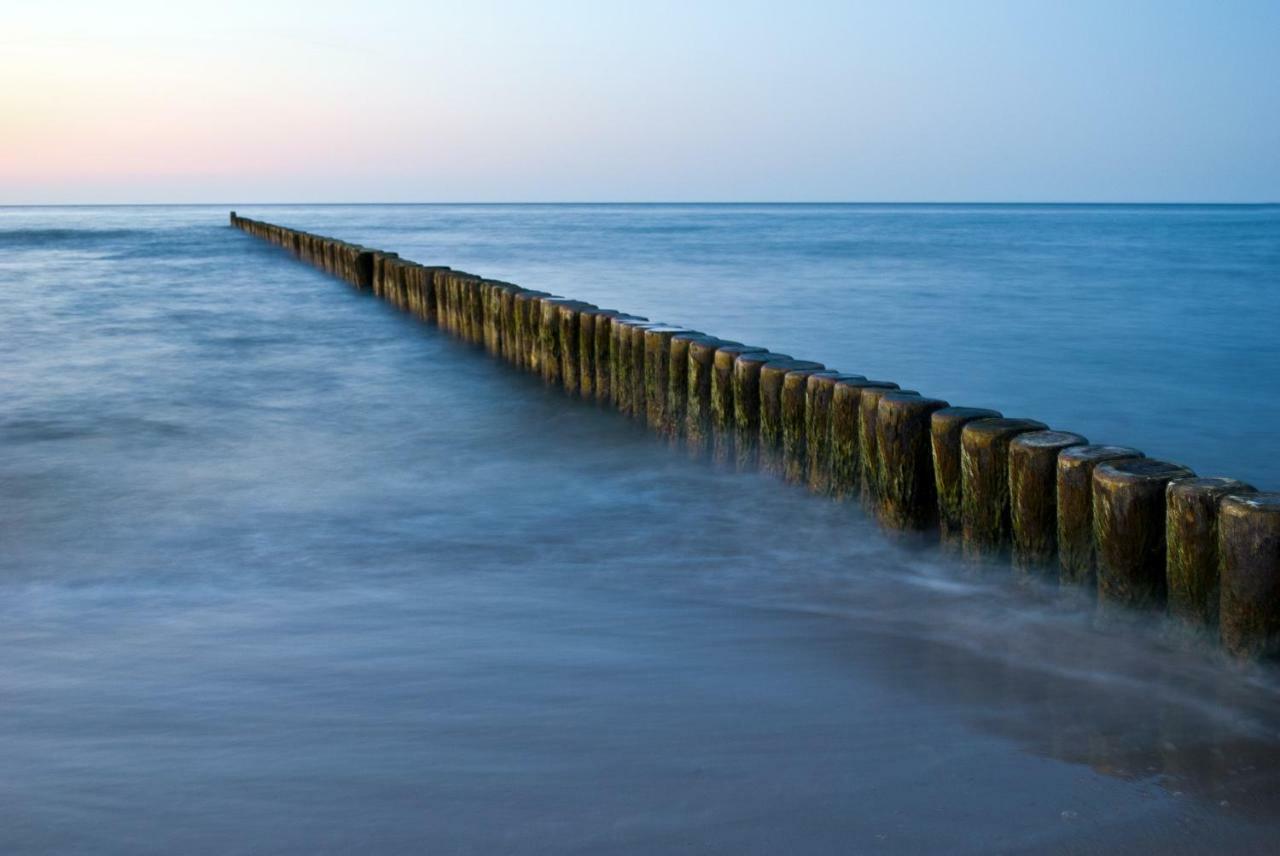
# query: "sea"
[284,570]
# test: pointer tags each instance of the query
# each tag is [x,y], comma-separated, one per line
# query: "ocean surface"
[283,570]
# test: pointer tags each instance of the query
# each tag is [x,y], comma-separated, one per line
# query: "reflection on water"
[286,571]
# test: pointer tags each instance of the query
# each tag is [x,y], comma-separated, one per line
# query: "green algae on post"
[945,426]
[773,377]
[1191,560]
[723,423]
[908,496]
[795,424]
[984,482]
[818,394]
[846,455]
[868,454]
[1077,554]
[1129,530]
[746,404]
[1249,567]
[1033,496]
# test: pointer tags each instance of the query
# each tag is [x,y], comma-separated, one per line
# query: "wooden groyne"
[1106,520]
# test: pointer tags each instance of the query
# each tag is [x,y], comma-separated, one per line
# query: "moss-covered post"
[723,425]
[984,482]
[549,341]
[846,450]
[697,423]
[507,314]
[1129,530]
[1191,534]
[1077,556]
[908,495]
[657,371]
[746,404]
[818,394]
[868,451]
[773,377]
[570,345]
[1033,497]
[1249,565]
[678,383]
[945,426]
[795,423]
[622,357]
[607,355]
[639,409]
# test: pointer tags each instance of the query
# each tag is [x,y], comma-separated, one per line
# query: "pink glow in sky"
[265,101]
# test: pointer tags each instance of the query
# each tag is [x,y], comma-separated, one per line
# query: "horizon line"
[626,202]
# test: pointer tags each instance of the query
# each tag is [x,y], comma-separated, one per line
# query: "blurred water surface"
[285,571]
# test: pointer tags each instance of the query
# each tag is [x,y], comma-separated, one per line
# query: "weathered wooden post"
[657,373]
[1033,496]
[1191,534]
[528,312]
[621,358]
[773,375]
[868,451]
[550,359]
[984,479]
[746,404]
[570,346]
[678,383]
[699,371]
[607,355]
[846,450]
[945,426]
[588,320]
[795,423]
[1249,563]
[723,425]
[1129,530]
[908,494]
[1077,555]
[818,395]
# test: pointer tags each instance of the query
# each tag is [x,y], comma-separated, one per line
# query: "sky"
[277,101]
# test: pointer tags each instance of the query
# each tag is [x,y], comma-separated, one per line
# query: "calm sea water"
[285,571]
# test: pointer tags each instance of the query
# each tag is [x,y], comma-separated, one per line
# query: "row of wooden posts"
[1139,532]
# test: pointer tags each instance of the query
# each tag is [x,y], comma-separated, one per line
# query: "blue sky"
[550,101]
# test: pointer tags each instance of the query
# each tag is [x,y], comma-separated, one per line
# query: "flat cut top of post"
[763,357]
[1095,453]
[1140,471]
[1208,486]
[1049,440]
[1001,426]
[1263,502]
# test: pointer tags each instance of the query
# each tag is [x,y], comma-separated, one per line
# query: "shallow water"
[284,570]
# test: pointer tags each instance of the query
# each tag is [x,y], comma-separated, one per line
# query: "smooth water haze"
[285,570]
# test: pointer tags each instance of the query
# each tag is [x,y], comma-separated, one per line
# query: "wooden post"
[1077,557]
[723,424]
[657,370]
[908,496]
[1191,563]
[984,479]
[678,383]
[1033,497]
[746,404]
[1249,550]
[945,426]
[699,370]
[868,451]
[1129,530]
[846,450]
[795,423]
[773,377]
[606,354]
[818,395]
